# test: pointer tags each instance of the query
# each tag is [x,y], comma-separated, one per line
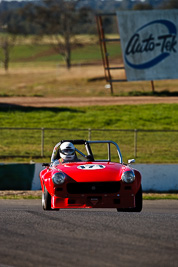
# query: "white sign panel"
[149,41]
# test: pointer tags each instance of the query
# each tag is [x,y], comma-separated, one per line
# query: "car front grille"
[93,188]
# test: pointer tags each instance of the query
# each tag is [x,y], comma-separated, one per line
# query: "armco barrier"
[16,176]
[155,177]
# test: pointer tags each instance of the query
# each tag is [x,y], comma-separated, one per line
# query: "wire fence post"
[135,143]
[89,134]
[42,142]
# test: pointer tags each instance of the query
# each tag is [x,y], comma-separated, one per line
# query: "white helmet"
[67,151]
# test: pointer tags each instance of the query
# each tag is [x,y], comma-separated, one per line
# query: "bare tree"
[60,20]
[7,42]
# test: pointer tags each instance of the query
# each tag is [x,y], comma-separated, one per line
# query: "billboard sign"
[149,41]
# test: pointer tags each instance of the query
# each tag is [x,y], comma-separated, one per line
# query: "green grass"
[152,147]
[157,196]
[16,197]
[27,52]
[155,117]
[46,53]
[146,196]
[92,52]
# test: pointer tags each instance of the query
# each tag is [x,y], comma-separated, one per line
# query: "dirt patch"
[84,101]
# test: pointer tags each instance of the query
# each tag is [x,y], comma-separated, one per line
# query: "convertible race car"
[90,174]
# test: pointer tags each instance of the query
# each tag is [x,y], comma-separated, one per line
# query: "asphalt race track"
[30,236]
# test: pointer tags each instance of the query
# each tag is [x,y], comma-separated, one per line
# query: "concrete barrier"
[155,177]
[158,177]
[36,180]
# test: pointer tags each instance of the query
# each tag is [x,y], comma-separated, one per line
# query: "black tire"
[46,199]
[138,201]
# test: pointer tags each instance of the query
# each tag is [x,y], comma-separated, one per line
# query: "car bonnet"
[93,171]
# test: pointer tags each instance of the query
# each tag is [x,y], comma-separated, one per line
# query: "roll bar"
[88,148]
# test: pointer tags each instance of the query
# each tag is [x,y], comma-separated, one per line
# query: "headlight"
[58,178]
[128,177]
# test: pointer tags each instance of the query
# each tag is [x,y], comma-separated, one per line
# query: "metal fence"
[145,145]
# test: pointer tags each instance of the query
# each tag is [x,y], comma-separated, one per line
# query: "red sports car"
[95,177]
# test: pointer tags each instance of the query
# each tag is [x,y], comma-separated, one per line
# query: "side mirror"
[130,161]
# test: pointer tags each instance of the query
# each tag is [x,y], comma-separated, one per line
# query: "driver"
[64,152]
[67,152]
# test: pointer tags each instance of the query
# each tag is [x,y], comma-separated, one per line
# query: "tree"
[7,42]
[60,20]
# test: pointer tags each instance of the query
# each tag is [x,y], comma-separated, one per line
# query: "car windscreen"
[82,149]
[101,152]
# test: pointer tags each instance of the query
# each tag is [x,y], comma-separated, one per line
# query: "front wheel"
[138,202]
[46,199]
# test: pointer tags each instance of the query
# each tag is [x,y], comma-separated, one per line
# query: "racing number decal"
[91,167]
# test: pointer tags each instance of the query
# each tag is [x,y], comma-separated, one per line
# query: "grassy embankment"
[35,70]
[153,147]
